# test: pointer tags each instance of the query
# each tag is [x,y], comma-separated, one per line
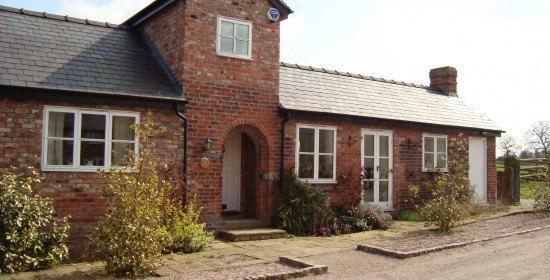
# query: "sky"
[501,48]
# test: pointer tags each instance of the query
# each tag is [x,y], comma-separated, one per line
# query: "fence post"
[513,163]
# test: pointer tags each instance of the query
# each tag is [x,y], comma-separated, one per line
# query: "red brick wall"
[407,156]
[75,193]
[223,92]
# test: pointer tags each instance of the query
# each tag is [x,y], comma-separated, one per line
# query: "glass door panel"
[377,165]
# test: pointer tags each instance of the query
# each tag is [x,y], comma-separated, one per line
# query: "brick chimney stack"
[444,78]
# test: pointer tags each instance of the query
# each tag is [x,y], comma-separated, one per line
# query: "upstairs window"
[316,153]
[434,153]
[85,140]
[234,38]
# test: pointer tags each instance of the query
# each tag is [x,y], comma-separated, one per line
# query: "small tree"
[143,218]
[538,137]
[451,192]
[31,236]
[508,145]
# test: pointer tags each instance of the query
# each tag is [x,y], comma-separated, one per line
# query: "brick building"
[209,71]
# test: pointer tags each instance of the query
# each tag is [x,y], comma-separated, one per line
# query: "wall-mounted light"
[207,143]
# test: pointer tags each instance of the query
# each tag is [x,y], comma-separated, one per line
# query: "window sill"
[235,56]
[92,169]
[435,170]
[314,182]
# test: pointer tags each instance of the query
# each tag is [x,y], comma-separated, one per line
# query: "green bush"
[373,215]
[409,216]
[31,237]
[541,192]
[143,218]
[451,192]
[302,208]
[186,233]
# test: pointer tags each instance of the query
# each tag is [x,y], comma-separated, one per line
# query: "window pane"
[326,141]
[369,145]
[428,160]
[241,47]
[226,45]
[305,166]
[326,164]
[383,191]
[428,144]
[383,170]
[441,161]
[60,124]
[368,188]
[368,168]
[60,152]
[384,149]
[307,140]
[92,153]
[441,145]
[226,28]
[120,150]
[122,128]
[93,126]
[242,31]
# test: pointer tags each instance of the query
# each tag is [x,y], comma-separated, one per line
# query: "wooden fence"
[535,169]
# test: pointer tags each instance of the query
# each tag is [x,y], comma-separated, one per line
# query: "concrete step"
[243,223]
[235,235]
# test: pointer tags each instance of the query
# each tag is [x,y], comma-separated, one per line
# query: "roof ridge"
[348,74]
[61,18]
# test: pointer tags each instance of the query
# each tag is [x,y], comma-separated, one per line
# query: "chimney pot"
[444,78]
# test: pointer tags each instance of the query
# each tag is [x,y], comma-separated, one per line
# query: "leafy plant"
[186,233]
[143,217]
[372,215]
[31,236]
[541,192]
[409,216]
[302,207]
[451,192]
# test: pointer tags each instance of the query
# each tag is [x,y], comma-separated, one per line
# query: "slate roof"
[305,88]
[45,51]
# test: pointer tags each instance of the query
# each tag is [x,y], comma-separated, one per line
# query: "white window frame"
[387,206]
[435,137]
[219,36]
[78,139]
[316,179]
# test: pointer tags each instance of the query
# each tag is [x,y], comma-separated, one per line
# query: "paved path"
[517,257]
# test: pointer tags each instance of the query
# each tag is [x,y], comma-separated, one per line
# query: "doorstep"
[236,235]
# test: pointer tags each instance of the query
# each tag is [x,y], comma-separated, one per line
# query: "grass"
[408,216]
[526,189]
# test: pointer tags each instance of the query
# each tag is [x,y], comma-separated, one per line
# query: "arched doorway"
[244,162]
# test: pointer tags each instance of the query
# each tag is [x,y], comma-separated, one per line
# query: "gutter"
[286,117]
[185,148]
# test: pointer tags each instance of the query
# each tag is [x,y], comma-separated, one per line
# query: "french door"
[376,151]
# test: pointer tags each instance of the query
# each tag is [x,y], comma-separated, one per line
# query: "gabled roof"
[304,88]
[44,51]
[158,5]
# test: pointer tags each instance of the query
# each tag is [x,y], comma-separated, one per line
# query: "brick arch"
[255,131]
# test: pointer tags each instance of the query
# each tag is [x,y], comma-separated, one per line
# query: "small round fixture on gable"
[273,14]
[205,163]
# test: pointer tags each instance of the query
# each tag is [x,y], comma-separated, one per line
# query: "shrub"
[409,216]
[373,215]
[143,217]
[451,192]
[541,192]
[302,208]
[31,237]
[186,233]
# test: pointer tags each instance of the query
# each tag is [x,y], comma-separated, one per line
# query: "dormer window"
[234,38]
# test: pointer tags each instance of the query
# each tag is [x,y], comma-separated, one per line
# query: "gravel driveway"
[361,265]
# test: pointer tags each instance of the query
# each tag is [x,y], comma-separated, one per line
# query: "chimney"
[444,78]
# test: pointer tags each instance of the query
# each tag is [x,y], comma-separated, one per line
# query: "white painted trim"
[376,156]
[316,179]
[218,36]
[435,136]
[78,139]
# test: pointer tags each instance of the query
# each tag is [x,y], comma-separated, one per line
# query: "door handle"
[378,168]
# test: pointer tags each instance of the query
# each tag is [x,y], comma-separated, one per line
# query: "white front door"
[478,168]
[231,174]
[376,151]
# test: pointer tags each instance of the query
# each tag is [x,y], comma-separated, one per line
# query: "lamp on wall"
[207,143]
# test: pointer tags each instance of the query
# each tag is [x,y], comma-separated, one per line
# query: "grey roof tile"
[328,91]
[57,52]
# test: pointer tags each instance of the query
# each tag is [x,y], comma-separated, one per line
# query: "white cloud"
[114,11]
